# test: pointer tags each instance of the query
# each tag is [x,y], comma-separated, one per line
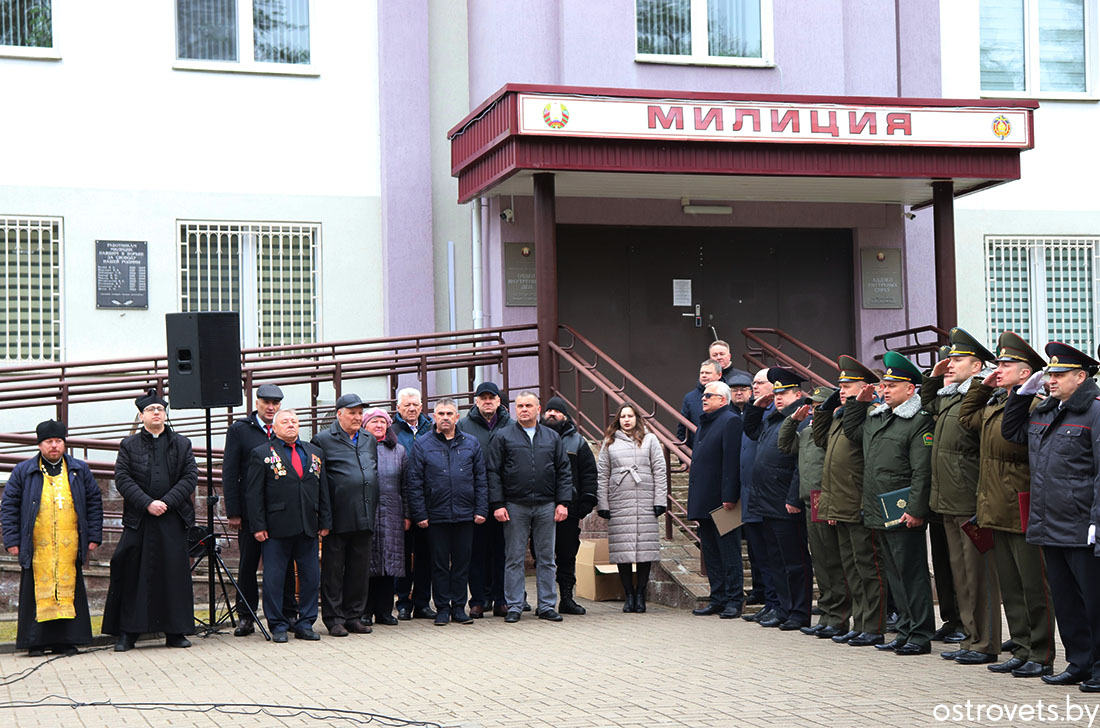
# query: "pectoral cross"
[60,497]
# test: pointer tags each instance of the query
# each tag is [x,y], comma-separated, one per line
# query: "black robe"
[150,587]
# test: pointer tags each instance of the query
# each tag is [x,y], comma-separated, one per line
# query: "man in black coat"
[487,416]
[150,589]
[1063,439]
[775,500]
[568,531]
[715,481]
[351,464]
[530,489]
[692,406]
[242,437]
[449,492]
[288,505]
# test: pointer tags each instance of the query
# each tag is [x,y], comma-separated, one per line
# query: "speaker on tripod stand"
[204,371]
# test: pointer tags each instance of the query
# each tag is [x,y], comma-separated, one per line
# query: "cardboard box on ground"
[597,579]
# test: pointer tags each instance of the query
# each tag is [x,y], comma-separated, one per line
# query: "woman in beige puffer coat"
[631,493]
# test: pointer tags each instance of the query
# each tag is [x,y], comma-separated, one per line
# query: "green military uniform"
[897,453]
[955,462]
[834,599]
[1004,476]
[842,502]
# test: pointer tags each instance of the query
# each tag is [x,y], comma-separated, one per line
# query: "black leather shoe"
[828,632]
[423,613]
[279,636]
[628,604]
[955,637]
[477,611]
[817,611]
[306,633]
[338,630]
[1008,645]
[843,638]
[770,622]
[791,625]
[459,616]
[404,614]
[706,611]
[892,622]
[442,618]
[866,639]
[891,645]
[812,629]
[1063,678]
[36,652]
[754,599]
[126,642]
[639,602]
[176,640]
[387,619]
[244,628]
[513,616]
[973,657]
[550,615]
[952,654]
[764,615]
[500,610]
[942,632]
[1032,669]
[526,606]
[1008,665]
[567,606]
[1092,685]
[912,648]
[357,626]
[730,612]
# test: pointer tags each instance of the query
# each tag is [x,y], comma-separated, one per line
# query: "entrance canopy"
[632,143]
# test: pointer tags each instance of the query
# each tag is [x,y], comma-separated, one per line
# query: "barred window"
[30,272]
[263,31]
[266,271]
[26,23]
[1043,288]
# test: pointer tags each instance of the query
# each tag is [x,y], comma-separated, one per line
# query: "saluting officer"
[1064,454]
[897,454]
[955,463]
[1004,485]
[842,505]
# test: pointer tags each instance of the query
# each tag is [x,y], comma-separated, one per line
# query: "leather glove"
[606,515]
[1033,385]
[832,402]
[659,511]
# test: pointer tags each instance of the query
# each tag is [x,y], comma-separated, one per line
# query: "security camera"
[507,215]
[910,216]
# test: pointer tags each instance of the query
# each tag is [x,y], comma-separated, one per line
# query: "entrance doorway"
[615,286]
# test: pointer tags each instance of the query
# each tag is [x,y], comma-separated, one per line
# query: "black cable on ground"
[24,674]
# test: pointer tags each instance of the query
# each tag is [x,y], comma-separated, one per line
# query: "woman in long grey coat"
[631,494]
[387,559]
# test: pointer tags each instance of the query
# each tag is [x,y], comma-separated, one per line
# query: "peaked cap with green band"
[1011,347]
[900,369]
[820,394]
[963,344]
[851,370]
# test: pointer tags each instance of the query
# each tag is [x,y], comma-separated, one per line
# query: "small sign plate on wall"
[121,274]
[883,285]
[519,274]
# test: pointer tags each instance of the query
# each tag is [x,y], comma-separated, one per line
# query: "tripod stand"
[206,547]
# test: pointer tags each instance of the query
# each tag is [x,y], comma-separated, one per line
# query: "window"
[706,32]
[1043,288]
[1036,47]
[256,35]
[30,272]
[26,29]
[266,271]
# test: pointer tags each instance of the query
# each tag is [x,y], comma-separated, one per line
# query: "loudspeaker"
[204,359]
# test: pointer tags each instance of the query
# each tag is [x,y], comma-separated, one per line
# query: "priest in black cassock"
[150,587]
[52,517]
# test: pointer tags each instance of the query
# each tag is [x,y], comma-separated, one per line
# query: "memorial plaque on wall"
[519,274]
[121,274]
[882,281]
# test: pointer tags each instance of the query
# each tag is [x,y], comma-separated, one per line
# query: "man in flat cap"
[796,438]
[52,519]
[351,459]
[242,437]
[775,500]
[150,589]
[1004,485]
[842,505]
[1063,439]
[897,455]
[955,464]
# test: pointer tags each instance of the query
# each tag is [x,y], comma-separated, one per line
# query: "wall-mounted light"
[690,209]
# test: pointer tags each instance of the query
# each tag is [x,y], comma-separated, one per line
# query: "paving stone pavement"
[662,668]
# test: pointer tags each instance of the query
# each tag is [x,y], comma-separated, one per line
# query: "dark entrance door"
[615,286]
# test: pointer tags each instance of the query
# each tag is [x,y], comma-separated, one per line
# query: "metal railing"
[908,343]
[797,356]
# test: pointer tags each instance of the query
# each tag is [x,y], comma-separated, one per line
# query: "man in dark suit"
[242,437]
[288,506]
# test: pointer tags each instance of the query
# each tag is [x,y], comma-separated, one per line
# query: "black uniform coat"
[775,473]
[242,437]
[280,502]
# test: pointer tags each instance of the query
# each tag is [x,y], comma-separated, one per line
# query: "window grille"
[30,272]
[266,271]
[26,23]
[1043,288]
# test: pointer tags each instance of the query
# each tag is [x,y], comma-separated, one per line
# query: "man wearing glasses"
[150,588]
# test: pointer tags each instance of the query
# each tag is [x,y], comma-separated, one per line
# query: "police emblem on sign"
[555,115]
[1002,127]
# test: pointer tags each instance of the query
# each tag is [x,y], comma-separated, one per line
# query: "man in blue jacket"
[57,493]
[715,481]
[448,491]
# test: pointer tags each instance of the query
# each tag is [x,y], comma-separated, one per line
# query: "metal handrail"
[917,347]
[760,351]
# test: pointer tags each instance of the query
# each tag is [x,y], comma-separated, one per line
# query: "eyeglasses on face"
[154,408]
